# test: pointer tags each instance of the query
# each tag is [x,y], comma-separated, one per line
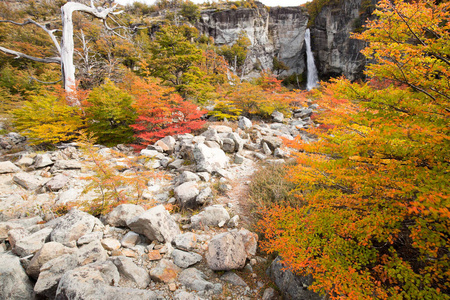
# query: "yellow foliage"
[47,119]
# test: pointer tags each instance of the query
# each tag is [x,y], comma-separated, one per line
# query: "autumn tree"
[161,112]
[173,53]
[109,113]
[373,217]
[236,54]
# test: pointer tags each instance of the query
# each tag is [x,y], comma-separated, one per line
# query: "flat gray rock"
[32,243]
[210,216]
[28,181]
[130,272]
[185,259]
[186,241]
[233,278]
[74,225]
[209,159]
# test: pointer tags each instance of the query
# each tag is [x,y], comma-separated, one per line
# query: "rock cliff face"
[276,32]
[280,32]
[334,51]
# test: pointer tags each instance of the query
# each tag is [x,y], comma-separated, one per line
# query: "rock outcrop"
[334,51]
[278,31]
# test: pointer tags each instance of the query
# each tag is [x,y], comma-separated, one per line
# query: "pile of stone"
[132,251]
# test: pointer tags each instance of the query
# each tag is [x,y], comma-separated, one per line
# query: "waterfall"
[313,79]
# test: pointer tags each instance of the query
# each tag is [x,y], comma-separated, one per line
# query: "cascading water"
[313,78]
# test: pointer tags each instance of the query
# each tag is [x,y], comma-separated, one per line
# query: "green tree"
[190,11]
[373,215]
[109,114]
[173,53]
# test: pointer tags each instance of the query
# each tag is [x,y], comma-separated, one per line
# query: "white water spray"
[313,79]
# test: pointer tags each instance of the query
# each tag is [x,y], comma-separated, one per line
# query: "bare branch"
[55,60]
[45,82]
[43,27]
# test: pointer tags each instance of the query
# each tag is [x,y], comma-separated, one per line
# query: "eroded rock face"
[279,32]
[334,51]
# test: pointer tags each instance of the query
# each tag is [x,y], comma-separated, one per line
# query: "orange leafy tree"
[161,112]
[372,219]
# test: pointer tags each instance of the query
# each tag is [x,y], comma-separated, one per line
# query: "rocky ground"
[200,251]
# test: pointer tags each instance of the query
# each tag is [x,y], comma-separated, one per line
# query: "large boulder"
[131,273]
[209,159]
[226,251]
[48,252]
[15,284]
[123,213]
[51,273]
[74,225]
[32,243]
[292,286]
[156,224]
[186,194]
[97,281]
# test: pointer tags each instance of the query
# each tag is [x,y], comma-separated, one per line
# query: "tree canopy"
[372,218]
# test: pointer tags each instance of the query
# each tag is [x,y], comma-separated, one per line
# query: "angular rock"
[25,161]
[238,159]
[123,213]
[204,196]
[238,142]
[74,225]
[226,251]
[57,182]
[233,222]
[165,271]
[89,237]
[185,259]
[233,278]
[212,136]
[8,167]
[32,243]
[130,272]
[266,149]
[71,195]
[183,295]
[210,216]
[277,116]
[68,165]
[28,181]
[5,227]
[15,235]
[292,286]
[176,164]
[130,239]
[156,224]
[272,142]
[244,123]
[167,144]
[48,252]
[186,241]
[51,272]
[228,145]
[152,153]
[269,294]
[15,284]
[186,194]
[92,252]
[110,244]
[186,176]
[195,280]
[42,160]
[209,159]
